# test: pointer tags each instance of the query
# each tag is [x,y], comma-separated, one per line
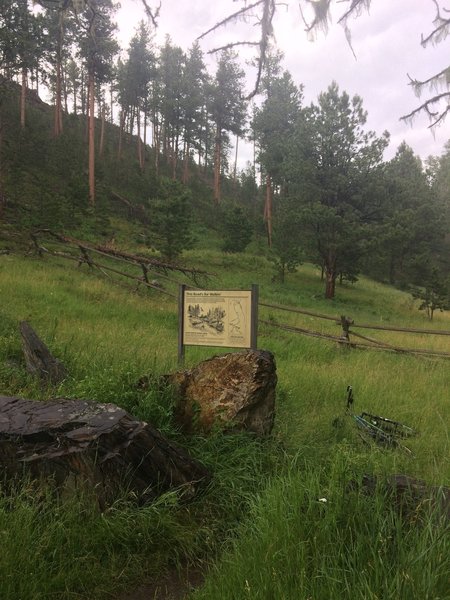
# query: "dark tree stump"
[38,358]
[409,494]
[81,442]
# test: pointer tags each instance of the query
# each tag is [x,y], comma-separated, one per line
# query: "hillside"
[285,517]
[264,493]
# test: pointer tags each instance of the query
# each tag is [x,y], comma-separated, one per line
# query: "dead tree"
[80,443]
[38,358]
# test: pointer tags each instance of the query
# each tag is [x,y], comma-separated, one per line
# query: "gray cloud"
[386,42]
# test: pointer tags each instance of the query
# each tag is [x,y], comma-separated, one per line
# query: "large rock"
[234,391]
[79,443]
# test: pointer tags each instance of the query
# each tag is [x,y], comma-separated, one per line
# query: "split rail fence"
[85,253]
[347,329]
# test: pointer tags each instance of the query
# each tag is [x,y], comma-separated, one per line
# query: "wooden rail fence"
[348,325]
[161,269]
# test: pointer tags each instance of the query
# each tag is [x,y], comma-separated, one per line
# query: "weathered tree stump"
[409,494]
[235,391]
[38,358]
[78,442]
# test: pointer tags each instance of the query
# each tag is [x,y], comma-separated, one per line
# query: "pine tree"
[227,108]
[97,48]
[272,125]
[330,168]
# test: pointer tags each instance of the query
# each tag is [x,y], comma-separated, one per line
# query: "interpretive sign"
[225,318]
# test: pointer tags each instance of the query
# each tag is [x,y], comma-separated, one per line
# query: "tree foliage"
[171,225]
[340,161]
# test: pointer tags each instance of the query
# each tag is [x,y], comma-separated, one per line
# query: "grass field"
[261,519]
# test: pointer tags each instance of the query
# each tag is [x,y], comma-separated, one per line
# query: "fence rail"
[347,324]
[85,250]
[353,324]
[81,252]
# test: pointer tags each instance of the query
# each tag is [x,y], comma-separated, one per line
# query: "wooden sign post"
[224,318]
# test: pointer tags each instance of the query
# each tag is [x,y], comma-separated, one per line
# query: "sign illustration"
[217,318]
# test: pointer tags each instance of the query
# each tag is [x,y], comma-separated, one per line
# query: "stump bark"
[235,391]
[79,442]
[409,494]
[38,358]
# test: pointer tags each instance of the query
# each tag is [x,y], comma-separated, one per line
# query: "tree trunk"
[145,140]
[268,210]
[121,133]
[235,161]
[23,94]
[2,199]
[83,94]
[139,141]
[38,358]
[111,104]
[91,140]
[91,446]
[65,95]
[57,129]
[217,157]
[186,162]
[175,155]
[330,276]
[157,148]
[102,132]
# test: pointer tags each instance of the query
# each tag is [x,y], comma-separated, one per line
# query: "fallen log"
[408,494]
[38,358]
[79,442]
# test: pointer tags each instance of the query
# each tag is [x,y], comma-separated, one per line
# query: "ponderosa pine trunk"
[23,94]
[235,160]
[111,104]
[102,132]
[57,126]
[2,199]
[175,156]
[145,139]
[268,210]
[217,156]
[91,139]
[121,134]
[330,276]
[186,162]
[139,141]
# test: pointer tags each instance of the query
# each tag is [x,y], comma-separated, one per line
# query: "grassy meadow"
[279,520]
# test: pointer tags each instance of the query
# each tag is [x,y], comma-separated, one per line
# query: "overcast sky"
[386,42]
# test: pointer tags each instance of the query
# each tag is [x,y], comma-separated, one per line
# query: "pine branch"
[153,15]
[356,7]
[232,45]
[441,30]
[231,18]
[431,81]
[266,33]
[435,116]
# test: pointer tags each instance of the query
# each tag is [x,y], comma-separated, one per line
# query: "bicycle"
[383,431]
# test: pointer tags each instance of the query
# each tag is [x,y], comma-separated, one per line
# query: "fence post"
[345,324]
[181,348]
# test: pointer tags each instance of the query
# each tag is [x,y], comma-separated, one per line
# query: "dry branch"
[152,264]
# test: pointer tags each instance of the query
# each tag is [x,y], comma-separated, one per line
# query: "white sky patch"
[386,42]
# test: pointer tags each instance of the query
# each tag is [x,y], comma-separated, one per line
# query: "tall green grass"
[309,535]
[289,545]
